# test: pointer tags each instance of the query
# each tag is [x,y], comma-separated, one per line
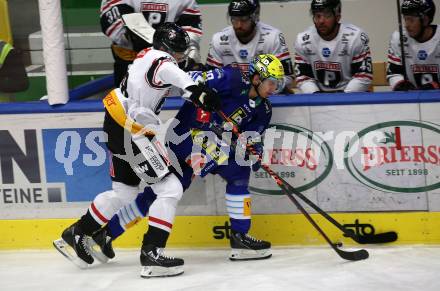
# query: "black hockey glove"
[404,86]
[430,86]
[190,65]
[258,147]
[204,97]
[255,156]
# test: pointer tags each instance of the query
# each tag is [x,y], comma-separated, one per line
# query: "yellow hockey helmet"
[267,66]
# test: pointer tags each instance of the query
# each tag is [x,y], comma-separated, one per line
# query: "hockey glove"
[430,86]
[191,65]
[256,156]
[258,147]
[404,86]
[204,97]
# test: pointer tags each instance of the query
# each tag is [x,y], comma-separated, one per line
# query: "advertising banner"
[347,158]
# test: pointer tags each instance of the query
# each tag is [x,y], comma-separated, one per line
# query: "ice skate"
[73,238]
[245,247]
[155,264]
[100,246]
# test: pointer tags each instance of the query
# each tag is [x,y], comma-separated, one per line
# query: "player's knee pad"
[125,193]
[106,204]
[169,187]
[122,194]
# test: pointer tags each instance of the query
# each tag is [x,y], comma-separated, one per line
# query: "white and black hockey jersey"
[422,59]
[226,49]
[185,13]
[342,64]
[149,80]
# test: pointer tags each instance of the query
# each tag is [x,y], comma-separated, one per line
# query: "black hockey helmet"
[419,8]
[244,8]
[171,37]
[320,5]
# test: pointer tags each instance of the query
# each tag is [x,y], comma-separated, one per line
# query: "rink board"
[214,231]
[375,153]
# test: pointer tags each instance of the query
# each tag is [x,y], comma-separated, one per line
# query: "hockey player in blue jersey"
[244,101]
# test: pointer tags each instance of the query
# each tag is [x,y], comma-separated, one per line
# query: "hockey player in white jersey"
[247,37]
[130,122]
[332,56]
[421,46]
[185,13]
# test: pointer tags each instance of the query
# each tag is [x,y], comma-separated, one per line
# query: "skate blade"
[95,251]
[157,271]
[66,250]
[246,254]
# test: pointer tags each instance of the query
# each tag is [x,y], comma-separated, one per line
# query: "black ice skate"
[74,237]
[100,246]
[155,264]
[245,247]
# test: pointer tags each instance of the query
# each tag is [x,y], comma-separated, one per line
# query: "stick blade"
[353,256]
[379,238]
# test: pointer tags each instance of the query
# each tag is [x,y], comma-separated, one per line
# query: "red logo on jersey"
[433,69]
[159,7]
[203,116]
[328,66]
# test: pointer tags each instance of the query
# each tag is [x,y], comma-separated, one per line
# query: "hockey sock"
[114,227]
[239,210]
[240,225]
[87,224]
[156,236]
[131,214]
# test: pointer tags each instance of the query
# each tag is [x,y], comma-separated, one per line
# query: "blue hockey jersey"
[249,115]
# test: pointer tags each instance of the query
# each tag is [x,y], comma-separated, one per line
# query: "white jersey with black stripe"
[185,13]
[342,64]
[149,80]
[422,59]
[226,49]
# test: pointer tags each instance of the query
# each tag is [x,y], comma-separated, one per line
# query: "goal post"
[53,51]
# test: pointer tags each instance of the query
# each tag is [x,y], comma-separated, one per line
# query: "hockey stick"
[378,238]
[402,49]
[138,25]
[347,255]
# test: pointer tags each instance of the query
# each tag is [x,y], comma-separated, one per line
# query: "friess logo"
[298,155]
[396,156]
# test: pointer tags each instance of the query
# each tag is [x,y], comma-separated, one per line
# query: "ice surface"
[387,269]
